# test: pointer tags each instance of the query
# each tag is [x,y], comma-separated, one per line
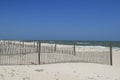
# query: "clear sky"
[60,19]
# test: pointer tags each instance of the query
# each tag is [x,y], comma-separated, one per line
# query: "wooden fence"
[39,52]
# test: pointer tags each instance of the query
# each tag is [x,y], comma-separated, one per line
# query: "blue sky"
[60,19]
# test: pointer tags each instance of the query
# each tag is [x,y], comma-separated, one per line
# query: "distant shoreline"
[115,44]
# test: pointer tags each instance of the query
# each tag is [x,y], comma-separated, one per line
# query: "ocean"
[84,43]
[115,44]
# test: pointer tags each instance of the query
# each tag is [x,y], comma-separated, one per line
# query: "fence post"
[39,51]
[34,44]
[20,47]
[111,54]
[74,50]
[23,43]
[55,47]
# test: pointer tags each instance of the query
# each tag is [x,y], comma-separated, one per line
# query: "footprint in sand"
[39,70]
[26,78]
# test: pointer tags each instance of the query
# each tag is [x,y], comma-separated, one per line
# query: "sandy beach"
[62,71]
[87,68]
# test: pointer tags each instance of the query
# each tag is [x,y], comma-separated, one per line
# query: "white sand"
[62,71]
